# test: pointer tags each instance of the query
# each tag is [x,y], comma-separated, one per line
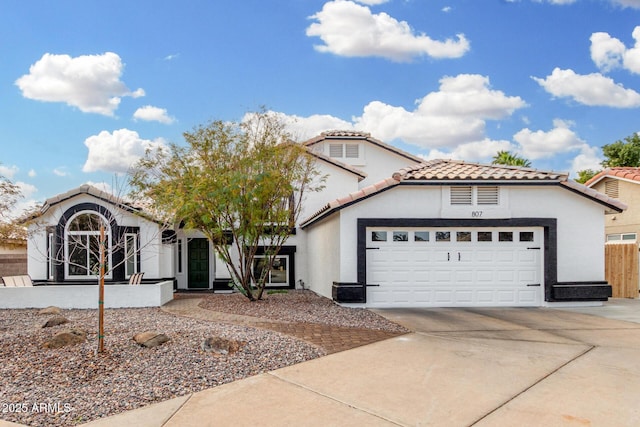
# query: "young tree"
[240,184]
[509,159]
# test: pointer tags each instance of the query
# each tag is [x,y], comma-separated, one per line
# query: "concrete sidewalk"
[483,367]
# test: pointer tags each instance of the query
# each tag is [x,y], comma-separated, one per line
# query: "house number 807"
[476,214]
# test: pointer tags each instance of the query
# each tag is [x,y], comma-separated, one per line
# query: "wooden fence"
[621,269]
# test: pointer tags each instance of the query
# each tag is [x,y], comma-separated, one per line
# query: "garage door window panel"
[421,236]
[378,236]
[485,236]
[400,236]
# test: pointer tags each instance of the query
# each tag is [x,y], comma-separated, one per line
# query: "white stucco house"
[388,230]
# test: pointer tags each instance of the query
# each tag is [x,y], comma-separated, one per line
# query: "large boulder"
[150,339]
[55,321]
[221,346]
[65,338]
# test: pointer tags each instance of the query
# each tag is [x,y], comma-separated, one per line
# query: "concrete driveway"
[461,367]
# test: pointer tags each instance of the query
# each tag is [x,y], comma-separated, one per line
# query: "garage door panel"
[467,273]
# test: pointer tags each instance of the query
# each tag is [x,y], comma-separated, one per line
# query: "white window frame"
[134,238]
[67,233]
[622,237]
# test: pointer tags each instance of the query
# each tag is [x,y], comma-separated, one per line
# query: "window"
[463,236]
[50,255]
[131,254]
[179,256]
[622,236]
[505,236]
[277,275]
[485,236]
[83,247]
[421,236]
[443,236]
[378,236]
[611,188]
[400,236]
[467,195]
[526,236]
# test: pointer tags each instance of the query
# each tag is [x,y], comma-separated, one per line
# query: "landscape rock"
[221,346]
[50,310]
[65,338]
[150,339]
[55,321]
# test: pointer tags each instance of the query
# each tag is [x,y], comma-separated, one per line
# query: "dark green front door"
[198,272]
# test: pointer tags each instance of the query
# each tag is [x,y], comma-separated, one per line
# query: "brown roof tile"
[630,173]
[447,170]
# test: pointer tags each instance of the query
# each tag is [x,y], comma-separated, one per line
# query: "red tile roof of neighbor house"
[629,173]
[365,136]
[448,171]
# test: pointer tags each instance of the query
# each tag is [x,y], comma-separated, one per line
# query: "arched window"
[82,246]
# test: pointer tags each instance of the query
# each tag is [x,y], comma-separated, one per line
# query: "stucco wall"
[323,256]
[152,252]
[629,220]
[86,296]
[580,223]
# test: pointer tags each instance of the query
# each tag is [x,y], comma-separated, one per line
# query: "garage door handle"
[368,248]
[448,256]
[371,286]
[534,247]
[533,284]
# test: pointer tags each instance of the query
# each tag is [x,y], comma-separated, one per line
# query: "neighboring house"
[622,183]
[13,257]
[436,233]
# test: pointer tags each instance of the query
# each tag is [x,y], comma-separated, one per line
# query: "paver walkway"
[331,339]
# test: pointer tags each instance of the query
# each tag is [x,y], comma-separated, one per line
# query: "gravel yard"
[73,385]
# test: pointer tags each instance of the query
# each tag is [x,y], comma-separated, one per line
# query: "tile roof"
[439,171]
[628,173]
[365,136]
[446,170]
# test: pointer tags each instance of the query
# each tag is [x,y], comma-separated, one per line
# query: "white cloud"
[32,173]
[117,151]
[540,144]
[302,128]
[171,57]
[449,122]
[350,29]
[591,89]
[456,114]
[8,171]
[153,114]
[102,186]
[635,4]
[89,82]
[372,2]
[60,171]
[478,151]
[609,53]
[589,158]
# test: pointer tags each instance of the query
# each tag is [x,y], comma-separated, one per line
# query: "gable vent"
[462,195]
[611,188]
[352,151]
[488,195]
[335,150]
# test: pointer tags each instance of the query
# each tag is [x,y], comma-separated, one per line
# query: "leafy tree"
[10,193]
[510,159]
[622,153]
[240,184]
[586,175]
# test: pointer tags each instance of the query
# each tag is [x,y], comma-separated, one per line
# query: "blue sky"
[86,86]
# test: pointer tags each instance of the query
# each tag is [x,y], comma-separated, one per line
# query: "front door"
[198,271]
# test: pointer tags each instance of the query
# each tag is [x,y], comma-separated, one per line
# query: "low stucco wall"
[86,296]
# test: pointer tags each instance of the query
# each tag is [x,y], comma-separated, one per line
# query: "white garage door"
[449,267]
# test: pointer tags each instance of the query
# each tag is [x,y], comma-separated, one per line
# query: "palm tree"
[510,159]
